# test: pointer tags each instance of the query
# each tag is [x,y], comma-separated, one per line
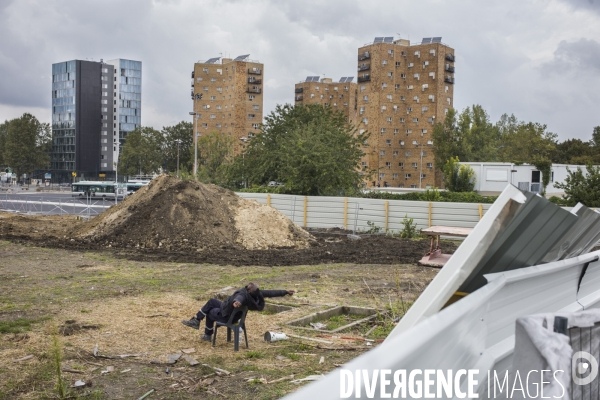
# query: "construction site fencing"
[86,207]
[362,214]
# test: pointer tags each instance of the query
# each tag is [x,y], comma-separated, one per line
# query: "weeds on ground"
[19,325]
[254,354]
[409,229]
[56,357]
[373,229]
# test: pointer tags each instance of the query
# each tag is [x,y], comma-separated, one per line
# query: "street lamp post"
[195,115]
[243,139]
[178,141]
[116,164]
[421,173]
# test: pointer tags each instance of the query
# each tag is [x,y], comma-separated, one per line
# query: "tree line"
[309,149]
[471,136]
[25,144]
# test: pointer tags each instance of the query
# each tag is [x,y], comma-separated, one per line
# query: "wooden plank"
[446,230]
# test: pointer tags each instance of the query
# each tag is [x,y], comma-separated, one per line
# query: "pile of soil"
[174,215]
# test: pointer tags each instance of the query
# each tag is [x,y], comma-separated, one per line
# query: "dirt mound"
[171,214]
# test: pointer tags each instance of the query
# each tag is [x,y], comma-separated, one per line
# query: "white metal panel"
[462,262]
[495,174]
[476,332]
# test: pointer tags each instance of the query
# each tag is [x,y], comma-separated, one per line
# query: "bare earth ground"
[131,302]
[329,246]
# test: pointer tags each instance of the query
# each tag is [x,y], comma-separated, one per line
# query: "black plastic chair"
[235,327]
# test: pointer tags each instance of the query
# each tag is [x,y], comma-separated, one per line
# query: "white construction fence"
[355,213]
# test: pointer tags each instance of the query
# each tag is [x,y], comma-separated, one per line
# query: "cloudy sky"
[539,60]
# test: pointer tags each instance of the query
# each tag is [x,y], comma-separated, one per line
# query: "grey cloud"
[496,45]
[588,5]
[580,58]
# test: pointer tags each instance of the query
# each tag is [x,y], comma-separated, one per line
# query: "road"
[52,204]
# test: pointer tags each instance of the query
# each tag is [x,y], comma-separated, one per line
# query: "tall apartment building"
[403,90]
[94,107]
[340,95]
[228,97]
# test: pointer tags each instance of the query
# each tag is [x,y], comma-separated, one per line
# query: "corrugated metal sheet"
[476,332]
[535,229]
[464,260]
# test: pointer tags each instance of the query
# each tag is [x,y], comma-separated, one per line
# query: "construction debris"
[191,360]
[308,379]
[29,357]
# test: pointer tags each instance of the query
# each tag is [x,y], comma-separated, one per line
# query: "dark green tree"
[26,144]
[457,177]
[142,152]
[310,148]
[3,134]
[522,142]
[596,137]
[170,134]
[215,152]
[582,187]
[447,140]
[479,137]
[575,151]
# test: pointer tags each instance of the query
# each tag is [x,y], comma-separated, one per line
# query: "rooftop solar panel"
[212,60]
[426,40]
[388,39]
[242,57]
[342,79]
[378,40]
[349,79]
[436,40]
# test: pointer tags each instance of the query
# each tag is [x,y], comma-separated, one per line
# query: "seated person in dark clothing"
[215,310]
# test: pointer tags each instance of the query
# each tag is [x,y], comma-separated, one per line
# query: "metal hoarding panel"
[464,260]
[533,231]
[474,333]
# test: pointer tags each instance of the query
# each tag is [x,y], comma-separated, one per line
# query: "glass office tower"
[128,99]
[63,115]
[95,105]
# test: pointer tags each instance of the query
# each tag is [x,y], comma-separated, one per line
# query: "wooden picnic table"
[435,257]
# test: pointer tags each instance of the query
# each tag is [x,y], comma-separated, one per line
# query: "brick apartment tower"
[228,97]
[403,90]
[340,95]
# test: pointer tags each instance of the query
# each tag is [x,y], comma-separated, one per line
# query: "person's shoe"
[192,323]
[207,338]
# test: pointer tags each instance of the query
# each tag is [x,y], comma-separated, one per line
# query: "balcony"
[449,79]
[255,71]
[449,69]
[192,74]
[254,81]
[364,68]
[253,90]
[364,78]
[298,98]
[450,57]
[364,56]
[192,95]
[192,84]
[299,90]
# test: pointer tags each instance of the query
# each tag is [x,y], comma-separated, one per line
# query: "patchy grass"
[139,307]
[19,325]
